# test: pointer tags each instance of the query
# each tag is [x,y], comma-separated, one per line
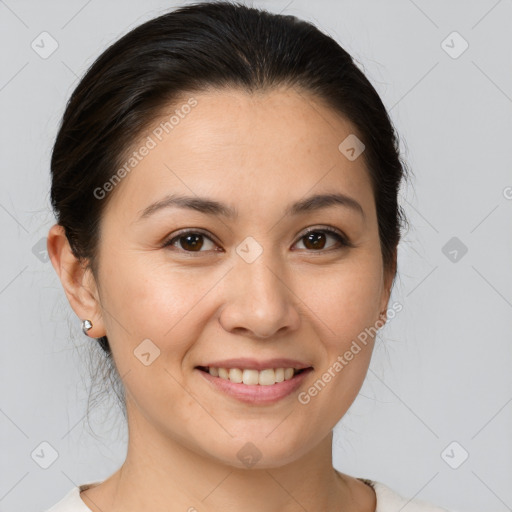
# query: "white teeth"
[250,377]
[266,377]
[235,375]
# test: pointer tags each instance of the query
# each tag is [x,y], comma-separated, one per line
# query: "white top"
[387,500]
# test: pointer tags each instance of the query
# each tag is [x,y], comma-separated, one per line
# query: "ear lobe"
[77,281]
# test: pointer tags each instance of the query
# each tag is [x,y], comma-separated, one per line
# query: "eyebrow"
[212,207]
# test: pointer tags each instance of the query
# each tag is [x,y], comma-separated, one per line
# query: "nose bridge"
[259,299]
[259,269]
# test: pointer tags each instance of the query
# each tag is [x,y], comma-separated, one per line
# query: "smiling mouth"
[251,377]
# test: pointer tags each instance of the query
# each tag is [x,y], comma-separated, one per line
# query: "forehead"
[243,148]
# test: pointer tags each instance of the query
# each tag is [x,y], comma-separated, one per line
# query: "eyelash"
[341,239]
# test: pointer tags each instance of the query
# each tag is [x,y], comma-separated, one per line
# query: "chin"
[259,451]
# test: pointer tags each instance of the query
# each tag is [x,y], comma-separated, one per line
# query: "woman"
[225,186]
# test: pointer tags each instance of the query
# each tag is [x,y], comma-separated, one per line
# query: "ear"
[77,281]
[389,275]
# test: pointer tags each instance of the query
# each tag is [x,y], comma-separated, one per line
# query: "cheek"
[346,304]
[148,301]
[346,298]
[152,322]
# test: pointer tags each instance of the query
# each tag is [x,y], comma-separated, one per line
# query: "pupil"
[315,238]
[194,244]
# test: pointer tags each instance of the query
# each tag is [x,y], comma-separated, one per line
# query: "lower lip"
[256,394]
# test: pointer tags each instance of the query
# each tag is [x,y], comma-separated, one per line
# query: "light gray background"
[441,369]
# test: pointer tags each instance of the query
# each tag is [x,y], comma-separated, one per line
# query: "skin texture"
[257,153]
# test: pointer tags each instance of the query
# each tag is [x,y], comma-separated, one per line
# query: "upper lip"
[254,364]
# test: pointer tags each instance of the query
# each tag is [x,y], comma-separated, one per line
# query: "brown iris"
[194,242]
[316,238]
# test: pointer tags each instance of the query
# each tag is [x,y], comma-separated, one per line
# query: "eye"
[190,241]
[315,239]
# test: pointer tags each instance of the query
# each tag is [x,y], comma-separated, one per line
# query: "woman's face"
[250,285]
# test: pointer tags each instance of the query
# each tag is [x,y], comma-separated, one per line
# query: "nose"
[259,302]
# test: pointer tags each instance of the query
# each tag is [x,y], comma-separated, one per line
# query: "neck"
[164,475]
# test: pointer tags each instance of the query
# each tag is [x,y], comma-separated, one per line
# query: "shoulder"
[71,502]
[389,500]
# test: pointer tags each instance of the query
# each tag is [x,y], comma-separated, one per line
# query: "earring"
[86,325]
